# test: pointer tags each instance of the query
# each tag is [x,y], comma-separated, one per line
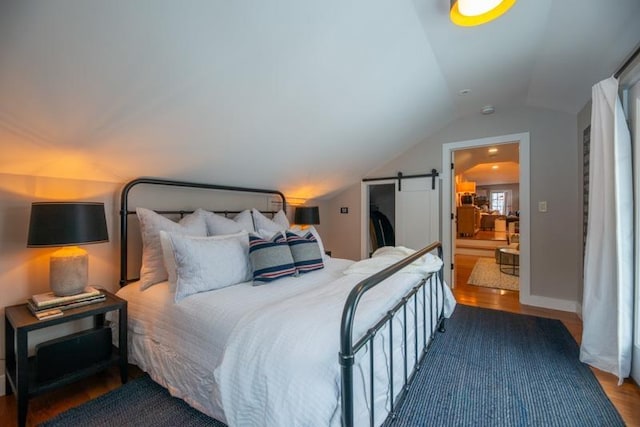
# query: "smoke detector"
[488,109]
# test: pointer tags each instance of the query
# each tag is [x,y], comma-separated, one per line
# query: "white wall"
[555,239]
[341,235]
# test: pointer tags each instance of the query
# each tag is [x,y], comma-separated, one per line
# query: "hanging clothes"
[607,305]
[382,233]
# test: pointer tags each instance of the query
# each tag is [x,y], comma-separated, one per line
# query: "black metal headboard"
[125,212]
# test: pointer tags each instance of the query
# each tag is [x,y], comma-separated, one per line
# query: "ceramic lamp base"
[68,271]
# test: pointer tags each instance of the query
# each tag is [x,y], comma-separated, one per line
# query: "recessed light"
[494,167]
[463,92]
[488,109]
[493,150]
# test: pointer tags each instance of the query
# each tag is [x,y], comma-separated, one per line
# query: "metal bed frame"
[348,350]
[433,284]
[125,212]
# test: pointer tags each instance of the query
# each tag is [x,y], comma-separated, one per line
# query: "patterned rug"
[490,368]
[487,273]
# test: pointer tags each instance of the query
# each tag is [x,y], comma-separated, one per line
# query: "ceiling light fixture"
[488,109]
[494,167]
[469,13]
[493,150]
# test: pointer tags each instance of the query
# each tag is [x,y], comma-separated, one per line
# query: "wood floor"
[626,398]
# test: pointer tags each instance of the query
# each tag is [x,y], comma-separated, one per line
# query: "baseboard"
[551,303]
[579,310]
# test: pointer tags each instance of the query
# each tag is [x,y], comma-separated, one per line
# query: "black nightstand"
[63,360]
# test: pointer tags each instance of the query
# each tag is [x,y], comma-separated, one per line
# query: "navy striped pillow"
[271,259]
[305,251]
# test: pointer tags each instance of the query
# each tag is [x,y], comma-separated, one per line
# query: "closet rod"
[628,62]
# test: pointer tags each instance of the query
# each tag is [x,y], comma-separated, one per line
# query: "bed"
[337,345]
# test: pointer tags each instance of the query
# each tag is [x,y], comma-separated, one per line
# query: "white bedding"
[247,355]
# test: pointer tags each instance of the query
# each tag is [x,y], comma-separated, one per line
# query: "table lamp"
[468,188]
[307,215]
[67,224]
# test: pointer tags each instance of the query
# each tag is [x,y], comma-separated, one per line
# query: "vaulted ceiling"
[302,96]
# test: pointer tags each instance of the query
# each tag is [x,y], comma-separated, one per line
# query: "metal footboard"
[433,284]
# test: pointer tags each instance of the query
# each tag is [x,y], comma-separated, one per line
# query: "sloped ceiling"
[302,96]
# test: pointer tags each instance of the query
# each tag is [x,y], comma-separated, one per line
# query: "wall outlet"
[542,206]
[344,210]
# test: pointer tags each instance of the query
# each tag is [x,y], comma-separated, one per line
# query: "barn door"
[417,213]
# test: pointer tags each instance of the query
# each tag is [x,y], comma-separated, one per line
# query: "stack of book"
[48,305]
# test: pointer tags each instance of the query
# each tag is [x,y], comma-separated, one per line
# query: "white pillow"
[245,220]
[301,232]
[153,270]
[279,222]
[280,218]
[209,263]
[170,260]
[219,225]
[267,234]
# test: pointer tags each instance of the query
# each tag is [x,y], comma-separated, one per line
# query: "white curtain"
[607,305]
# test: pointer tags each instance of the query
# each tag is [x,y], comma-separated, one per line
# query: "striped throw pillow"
[270,258]
[305,251]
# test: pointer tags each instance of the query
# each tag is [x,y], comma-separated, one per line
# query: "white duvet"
[256,356]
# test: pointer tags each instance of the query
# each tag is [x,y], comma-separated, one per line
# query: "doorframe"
[448,196]
[633,117]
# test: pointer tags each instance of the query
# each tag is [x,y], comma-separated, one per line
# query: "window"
[499,201]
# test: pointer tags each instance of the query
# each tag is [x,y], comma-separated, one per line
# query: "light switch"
[542,206]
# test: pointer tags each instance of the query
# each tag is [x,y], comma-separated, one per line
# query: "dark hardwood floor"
[626,398]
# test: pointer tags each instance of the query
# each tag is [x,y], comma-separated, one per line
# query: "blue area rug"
[494,368]
[140,402]
[490,368]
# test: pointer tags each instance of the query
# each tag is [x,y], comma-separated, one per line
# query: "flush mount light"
[488,109]
[469,13]
[493,150]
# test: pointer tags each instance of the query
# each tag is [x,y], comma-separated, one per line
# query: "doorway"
[451,198]
[485,253]
[382,215]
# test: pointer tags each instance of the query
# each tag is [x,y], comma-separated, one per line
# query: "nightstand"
[63,360]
